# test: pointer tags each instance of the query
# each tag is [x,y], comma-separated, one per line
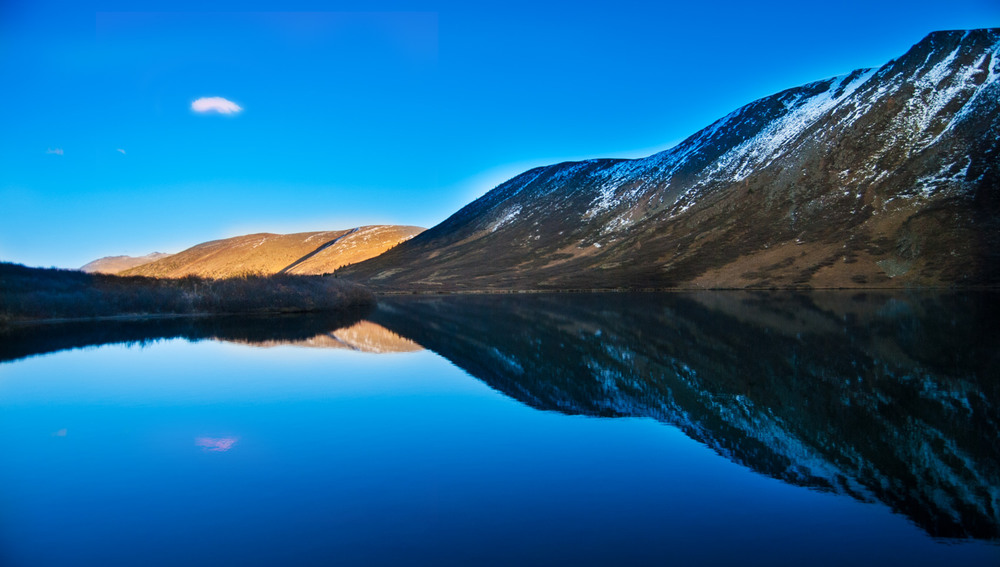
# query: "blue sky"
[372,112]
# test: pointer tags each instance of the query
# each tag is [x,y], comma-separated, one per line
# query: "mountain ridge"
[304,253]
[880,177]
[115,264]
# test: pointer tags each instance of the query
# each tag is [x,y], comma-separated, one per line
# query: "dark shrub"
[37,293]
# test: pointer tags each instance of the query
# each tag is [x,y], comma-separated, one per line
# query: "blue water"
[215,453]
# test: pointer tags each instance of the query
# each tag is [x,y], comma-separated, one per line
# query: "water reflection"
[29,340]
[892,398]
[882,397]
[363,336]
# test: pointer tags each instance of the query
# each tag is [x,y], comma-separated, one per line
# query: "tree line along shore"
[39,294]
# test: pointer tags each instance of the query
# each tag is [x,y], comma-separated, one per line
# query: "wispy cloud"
[215,104]
[216,444]
[121,151]
[57,151]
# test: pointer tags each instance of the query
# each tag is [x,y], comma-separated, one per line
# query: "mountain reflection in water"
[883,397]
[263,330]
[891,398]
[363,336]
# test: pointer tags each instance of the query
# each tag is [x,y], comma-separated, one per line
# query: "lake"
[712,428]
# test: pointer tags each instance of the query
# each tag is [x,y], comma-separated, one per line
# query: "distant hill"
[885,177]
[115,264]
[264,253]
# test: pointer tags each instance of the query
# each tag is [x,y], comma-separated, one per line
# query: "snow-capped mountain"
[880,177]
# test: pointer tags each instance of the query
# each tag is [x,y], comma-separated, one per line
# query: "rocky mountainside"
[889,398]
[301,253]
[115,264]
[885,177]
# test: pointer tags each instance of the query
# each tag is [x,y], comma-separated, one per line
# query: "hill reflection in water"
[883,397]
[363,336]
[265,330]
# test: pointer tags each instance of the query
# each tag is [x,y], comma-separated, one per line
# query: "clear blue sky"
[372,112]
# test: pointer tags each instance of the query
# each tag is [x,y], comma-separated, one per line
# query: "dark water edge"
[879,396]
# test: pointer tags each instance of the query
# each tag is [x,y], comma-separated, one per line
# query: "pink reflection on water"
[215,443]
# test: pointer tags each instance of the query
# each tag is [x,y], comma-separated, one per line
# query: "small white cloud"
[216,444]
[57,151]
[121,151]
[215,104]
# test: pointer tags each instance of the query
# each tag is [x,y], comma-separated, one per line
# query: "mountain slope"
[301,253]
[882,177]
[357,245]
[115,264]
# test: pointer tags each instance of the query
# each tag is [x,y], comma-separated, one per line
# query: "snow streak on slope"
[803,112]
[507,216]
[801,108]
[943,86]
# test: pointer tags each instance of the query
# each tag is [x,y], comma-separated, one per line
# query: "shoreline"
[380,293]
[129,317]
[167,316]
[43,296]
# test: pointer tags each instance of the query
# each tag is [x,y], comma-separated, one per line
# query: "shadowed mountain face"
[305,253]
[891,398]
[884,177]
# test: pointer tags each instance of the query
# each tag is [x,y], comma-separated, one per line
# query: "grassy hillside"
[306,253]
[356,246]
[115,264]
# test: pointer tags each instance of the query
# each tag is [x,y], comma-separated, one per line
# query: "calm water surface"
[655,429]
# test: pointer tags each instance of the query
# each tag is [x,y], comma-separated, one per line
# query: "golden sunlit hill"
[302,253]
[115,264]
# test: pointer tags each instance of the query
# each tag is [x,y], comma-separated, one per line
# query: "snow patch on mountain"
[506,217]
[802,112]
[608,197]
[946,177]
[937,89]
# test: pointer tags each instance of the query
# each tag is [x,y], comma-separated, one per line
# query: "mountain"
[879,397]
[115,264]
[301,253]
[885,177]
